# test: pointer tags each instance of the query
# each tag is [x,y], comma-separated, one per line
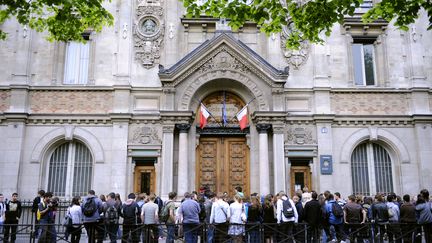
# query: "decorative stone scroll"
[295,58]
[149,32]
[145,135]
[300,135]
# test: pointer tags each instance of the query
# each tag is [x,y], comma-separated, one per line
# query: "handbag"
[243,215]
[67,221]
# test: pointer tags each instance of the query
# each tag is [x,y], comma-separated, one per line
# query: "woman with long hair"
[269,218]
[236,229]
[75,214]
[254,219]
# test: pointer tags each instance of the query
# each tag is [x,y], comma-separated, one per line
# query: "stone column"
[167,160]
[182,178]
[279,159]
[263,159]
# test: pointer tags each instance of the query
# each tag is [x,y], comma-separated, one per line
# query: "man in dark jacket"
[12,216]
[380,216]
[354,217]
[312,214]
[130,213]
[407,219]
[35,205]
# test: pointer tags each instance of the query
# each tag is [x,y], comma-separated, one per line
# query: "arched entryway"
[222,153]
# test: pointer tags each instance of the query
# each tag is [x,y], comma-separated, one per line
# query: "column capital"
[183,128]
[263,128]
[168,128]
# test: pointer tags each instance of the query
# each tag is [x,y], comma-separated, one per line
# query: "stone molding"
[378,134]
[67,133]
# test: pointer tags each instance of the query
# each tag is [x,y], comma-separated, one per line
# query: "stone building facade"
[121,112]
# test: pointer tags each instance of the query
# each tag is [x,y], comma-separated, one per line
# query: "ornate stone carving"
[149,32]
[300,135]
[223,61]
[370,103]
[294,58]
[145,135]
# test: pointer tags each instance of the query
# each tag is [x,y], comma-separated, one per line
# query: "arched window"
[70,170]
[371,169]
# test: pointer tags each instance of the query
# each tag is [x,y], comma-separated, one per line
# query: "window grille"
[70,170]
[371,169]
[360,172]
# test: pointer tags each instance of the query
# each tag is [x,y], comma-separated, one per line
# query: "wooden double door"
[223,164]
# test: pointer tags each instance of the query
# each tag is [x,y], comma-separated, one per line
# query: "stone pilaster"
[167,160]
[183,177]
[264,158]
[279,158]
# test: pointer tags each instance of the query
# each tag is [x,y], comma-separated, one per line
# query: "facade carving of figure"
[149,27]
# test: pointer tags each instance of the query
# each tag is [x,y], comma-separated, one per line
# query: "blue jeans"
[210,233]
[190,233]
[170,233]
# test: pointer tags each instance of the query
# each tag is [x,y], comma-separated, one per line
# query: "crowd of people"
[305,217]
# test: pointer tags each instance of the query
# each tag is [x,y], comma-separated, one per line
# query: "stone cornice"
[269,116]
[175,117]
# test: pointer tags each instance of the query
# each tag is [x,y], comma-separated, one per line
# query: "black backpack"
[337,210]
[89,207]
[287,209]
[111,215]
[130,213]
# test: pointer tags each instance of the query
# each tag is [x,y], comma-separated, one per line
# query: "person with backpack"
[286,217]
[34,210]
[168,216]
[45,216]
[92,209]
[335,217]
[111,211]
[130,212]
[12,216]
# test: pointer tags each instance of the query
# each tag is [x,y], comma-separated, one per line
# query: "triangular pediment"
[223,53]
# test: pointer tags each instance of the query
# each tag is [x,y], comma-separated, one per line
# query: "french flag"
[204,114]
[242,118]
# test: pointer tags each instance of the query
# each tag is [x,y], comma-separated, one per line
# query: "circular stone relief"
[148,26]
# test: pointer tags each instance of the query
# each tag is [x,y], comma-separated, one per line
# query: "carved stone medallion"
[145,135]
[300,135]
[148,33]
[295,58]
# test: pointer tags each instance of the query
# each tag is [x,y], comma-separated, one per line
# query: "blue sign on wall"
[326,162]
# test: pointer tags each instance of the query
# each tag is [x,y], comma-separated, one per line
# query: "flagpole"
[208,112]
[244,107]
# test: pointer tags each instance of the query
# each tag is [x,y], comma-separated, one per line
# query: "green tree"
[306,19]
[64,20]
